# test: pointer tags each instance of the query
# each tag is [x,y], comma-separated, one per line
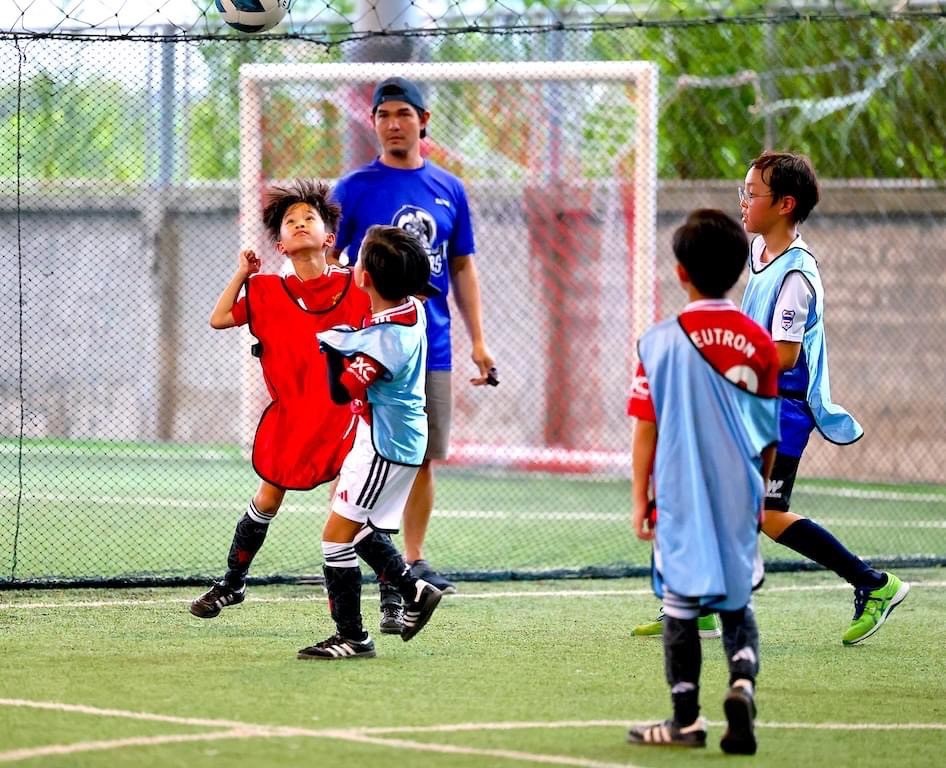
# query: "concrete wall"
[117,287]
[882,254]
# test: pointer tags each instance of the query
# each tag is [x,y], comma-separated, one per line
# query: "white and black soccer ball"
[253,15]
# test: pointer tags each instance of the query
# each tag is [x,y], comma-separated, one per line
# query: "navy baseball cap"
[398,89]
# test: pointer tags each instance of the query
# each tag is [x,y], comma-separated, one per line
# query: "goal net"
[559,161]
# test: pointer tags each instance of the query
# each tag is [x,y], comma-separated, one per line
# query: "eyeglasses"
[748,197]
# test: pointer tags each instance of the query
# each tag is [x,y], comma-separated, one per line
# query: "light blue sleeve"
[384,343]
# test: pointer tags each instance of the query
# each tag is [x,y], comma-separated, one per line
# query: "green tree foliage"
[73,130]
[862,95]
[859,96]
[297,129]
[213,119]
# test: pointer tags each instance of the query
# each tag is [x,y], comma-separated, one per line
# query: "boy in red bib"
[303,436]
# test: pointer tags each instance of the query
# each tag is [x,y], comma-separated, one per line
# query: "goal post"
[570,208]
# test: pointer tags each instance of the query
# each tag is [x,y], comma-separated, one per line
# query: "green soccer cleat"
[708,626]
[871,609]
[650,629]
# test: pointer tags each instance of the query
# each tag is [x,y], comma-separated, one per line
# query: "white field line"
[851,726]
[516,725]
[502,754]
[119,500]
[870,494]
[233,726]
[558,724]
[130,714]
[213,504]
[12,448]
[82,709]
[454,514]
[209,454]
[841,522]
[374,735]
[624,517]
[247,730]
[16,755]
[317,596]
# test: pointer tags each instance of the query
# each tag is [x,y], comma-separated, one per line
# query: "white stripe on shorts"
[374,483]
[372,489]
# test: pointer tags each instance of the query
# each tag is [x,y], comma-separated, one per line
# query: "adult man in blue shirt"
[402,189]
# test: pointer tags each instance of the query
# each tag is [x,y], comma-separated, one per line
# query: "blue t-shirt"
[427,201]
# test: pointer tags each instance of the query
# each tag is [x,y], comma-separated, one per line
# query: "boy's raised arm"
[222,314]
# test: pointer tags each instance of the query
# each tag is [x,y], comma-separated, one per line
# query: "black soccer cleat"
[338,647]
[215,599]
[392,610]
[669,734]
[420,569]
[418,612]
[739,738]
[392,619]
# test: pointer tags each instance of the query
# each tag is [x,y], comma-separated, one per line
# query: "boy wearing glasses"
[785,295]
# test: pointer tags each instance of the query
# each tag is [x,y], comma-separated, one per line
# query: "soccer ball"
[252,15]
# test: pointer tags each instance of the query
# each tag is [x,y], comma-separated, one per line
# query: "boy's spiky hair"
[790,175]
[312,192]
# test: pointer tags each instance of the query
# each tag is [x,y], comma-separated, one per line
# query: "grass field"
[109,510]
[533,673]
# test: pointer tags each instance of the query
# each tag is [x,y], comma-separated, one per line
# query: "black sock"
[389,595]
[248,537]
[741,643]
[379,552]
[808,538]
[344,600]
[683,658]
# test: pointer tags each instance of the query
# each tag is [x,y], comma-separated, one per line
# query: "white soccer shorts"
[371,489]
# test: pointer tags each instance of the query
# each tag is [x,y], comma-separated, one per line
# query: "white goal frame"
[643,74]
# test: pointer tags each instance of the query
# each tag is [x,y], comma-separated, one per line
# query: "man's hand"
[484,361]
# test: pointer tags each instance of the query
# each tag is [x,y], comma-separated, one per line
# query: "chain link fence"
[122,454]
